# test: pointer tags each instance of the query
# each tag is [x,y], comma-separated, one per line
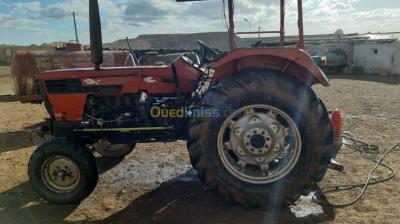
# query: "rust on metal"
[300,24]
[282,30]
[231,32]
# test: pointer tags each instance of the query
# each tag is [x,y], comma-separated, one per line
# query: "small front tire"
[62,172]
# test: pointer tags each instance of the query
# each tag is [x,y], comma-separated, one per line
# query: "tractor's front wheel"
[260,138]
[62,172]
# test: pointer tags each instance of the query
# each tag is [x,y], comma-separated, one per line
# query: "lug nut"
[277,148]
[260,160]
[254,120]
[238,131]
[274,128]
[240,151]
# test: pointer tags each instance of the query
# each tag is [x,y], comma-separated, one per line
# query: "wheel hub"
[260,138]
[258,141]
[60,174]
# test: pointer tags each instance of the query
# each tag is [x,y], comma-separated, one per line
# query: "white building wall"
[377,58]
[396,58]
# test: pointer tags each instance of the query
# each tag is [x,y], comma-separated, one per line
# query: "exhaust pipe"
[96,42]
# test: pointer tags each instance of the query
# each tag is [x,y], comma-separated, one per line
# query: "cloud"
[167,16]
[210,10]
[143,11]
[29,8]
[122,18]
[67,7]
[54,10]
[379,13]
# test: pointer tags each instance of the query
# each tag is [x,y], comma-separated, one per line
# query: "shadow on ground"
[181,200]
[186,200]
[21,204]
[389,79]
[10,141]
[14,140]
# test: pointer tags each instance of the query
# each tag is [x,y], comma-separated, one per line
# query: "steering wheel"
[205,51]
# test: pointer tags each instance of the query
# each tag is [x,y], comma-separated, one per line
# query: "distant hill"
[186,41]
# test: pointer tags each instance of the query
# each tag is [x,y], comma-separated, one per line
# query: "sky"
[25,22]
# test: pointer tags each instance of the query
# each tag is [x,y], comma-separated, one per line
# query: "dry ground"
[137,190]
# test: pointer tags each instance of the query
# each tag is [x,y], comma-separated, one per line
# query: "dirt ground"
[156,184]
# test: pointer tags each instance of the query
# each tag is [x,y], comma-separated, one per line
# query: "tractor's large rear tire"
[262,139]
[62,172]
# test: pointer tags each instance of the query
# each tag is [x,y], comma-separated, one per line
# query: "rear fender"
[291,61]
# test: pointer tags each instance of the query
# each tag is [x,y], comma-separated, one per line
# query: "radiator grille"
[74,86]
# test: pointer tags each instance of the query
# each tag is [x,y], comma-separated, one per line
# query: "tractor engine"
[128,110]
[111,111]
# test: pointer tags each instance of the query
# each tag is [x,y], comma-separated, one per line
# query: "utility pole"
[259,32]
[246,20]
[76,30]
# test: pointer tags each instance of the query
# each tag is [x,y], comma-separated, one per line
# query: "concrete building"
[359,53]
[378,55]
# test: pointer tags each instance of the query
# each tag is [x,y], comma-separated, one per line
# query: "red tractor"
[256,132]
